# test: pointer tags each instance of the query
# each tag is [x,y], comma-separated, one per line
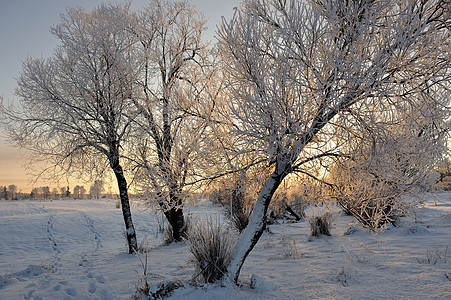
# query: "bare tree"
[174,77]
[299,74]
[75,106]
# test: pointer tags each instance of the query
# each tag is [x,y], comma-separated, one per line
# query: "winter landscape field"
[76,249]
[336,112]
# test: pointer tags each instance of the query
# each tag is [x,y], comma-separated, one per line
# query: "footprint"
[71,292]
[90,224]
[100,279]
[50,229]
[57,287]
[92,287]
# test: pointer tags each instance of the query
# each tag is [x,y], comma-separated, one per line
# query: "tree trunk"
[293,213]
[256,226]
[177,222]
[125,204]
[175,215]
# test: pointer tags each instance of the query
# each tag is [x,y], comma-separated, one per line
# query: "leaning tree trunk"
[125,204]
[256,226]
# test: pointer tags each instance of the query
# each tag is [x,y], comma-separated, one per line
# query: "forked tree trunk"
[125,204]
[256,226]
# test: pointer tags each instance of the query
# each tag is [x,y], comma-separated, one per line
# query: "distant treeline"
[96,191]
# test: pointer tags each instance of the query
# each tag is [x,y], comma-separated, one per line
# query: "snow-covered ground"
[75,249]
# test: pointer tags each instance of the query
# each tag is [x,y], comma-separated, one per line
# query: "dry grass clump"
[322,224]
[212,246]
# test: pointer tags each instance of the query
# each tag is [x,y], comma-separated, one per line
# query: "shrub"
[233,196]
[239,212]
[163,289]
[374,203]
[434,256]
[321,225]
[298,197]
[289,248]
[376,181]
[142,287]
[277,207]
[218,195]
[300,204]
[212,248]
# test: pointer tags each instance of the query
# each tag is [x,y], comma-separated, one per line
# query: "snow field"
[75,249]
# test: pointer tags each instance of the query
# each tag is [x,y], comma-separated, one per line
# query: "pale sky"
[24,30]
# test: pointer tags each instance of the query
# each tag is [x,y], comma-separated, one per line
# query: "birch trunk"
[125,204]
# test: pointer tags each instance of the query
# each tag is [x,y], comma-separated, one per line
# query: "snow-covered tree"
[79,192]
[75,109]
[384,166]
[97,189]
[3,192]
[55,193]
[45,192]
[301,74]
[62,191]
[36,193]
[174,77]
[12,192]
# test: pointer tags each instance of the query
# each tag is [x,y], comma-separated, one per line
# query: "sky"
[24,31]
